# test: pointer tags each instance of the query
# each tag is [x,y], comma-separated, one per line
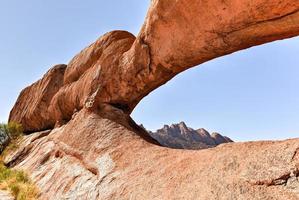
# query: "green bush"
[17,182]
[4,137]
[22,177]
[15,189]
[12,129]
[9,134]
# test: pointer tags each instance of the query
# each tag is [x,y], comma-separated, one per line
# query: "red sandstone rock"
[184,33]
[100,153]
[103,48]
[91,74]
[120,70]
[31,108]
[95,157]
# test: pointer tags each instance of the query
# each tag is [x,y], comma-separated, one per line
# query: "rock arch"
[98,154]
[119,69]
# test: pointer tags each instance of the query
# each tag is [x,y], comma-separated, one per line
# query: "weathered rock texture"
[179,136]
[97,152]
[31,108]
[93,157]
[119,69]
[5,195]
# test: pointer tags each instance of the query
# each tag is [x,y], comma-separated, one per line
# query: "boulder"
[89,77]
[31,108]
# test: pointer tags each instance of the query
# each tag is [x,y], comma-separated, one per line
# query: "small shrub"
[18,183]
[9,133]
[21,177]
[14,188]
[4,172]
[14,129]
[4,137]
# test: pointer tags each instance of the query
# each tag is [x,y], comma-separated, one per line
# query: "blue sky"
[249,95]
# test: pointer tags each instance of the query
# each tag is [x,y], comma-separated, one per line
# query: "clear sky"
[249,95]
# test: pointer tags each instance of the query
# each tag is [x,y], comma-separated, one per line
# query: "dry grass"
[12,146]
[15,181]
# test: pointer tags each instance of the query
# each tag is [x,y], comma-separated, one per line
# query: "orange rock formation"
[97,152]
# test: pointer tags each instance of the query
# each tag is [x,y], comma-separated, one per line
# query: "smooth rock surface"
[31,108]
[5,195]
[93,157]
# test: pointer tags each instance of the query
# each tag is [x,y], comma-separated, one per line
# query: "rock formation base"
[93,157]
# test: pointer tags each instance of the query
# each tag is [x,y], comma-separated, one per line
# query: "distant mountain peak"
[183,124]
[181,136]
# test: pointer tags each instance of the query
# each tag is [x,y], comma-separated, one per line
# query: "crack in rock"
[285,180]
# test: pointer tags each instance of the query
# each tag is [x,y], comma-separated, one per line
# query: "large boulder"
[92,77]
[31,108]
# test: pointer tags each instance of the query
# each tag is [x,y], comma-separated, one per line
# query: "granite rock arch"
[119,69]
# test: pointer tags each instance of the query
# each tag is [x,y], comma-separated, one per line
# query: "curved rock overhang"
[119,69]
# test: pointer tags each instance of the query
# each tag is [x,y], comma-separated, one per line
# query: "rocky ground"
[93,157]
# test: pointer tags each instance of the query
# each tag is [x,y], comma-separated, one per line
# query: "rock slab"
[4,195]
[94,157]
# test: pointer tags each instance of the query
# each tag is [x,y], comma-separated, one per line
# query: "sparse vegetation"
[13,129]
[18,183]
[10,134]
[15,181]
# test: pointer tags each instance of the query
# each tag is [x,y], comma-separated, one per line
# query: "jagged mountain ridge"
[180,136]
